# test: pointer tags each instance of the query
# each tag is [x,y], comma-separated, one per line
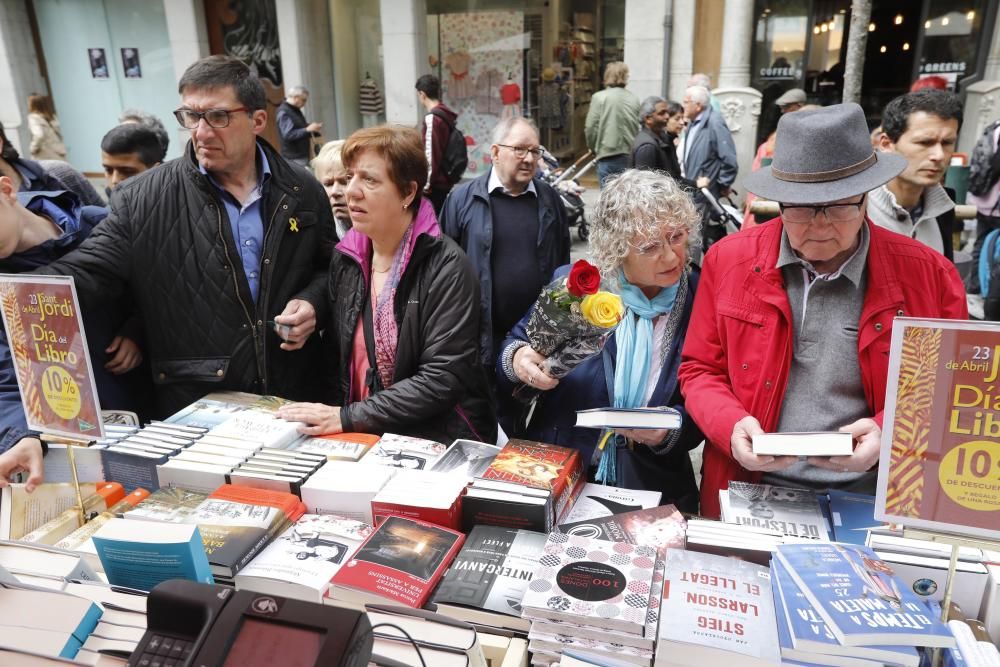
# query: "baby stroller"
[569,189]
[718,218]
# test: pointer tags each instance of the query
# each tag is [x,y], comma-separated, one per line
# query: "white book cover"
[402,451]
[300,562]
[817,443]
[598,500]
[794,512]
[258,426]
[719,609]
[345,488]
[592,582]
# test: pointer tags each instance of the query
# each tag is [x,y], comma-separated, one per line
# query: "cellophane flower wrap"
[570,322]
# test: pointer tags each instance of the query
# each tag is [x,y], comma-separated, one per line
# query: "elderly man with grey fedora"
[791,325]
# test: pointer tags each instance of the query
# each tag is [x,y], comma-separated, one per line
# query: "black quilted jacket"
[167,240]
[440,390]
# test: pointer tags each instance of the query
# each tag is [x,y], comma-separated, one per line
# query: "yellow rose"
[603,309]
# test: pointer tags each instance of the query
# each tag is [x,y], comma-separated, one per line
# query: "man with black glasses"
[792,321]
[225,251]
[513,227]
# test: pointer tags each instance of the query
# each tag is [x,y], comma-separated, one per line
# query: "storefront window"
[951,39]
[779,54]
[359,85]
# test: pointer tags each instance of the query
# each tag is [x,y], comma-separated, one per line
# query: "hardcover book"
[434,497]
[942,419]
[300,562]
[598,500]
[403,451]
[805,636]
[400,562]
[507,505]
[832,443]
[234,532]
[258,426]
[488,578]
[721,612]
[859,598]
[793,512]
[535,464]
[592,582]
[612,418]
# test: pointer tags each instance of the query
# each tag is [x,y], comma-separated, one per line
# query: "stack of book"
[720,612]
[142,554]
[794,512]
[853,606]
[529,485]
[276,469]
[339,447]
[133,458]
[345,489]
[400,563]
[730,539]
[599,587]
[301,562]
[488,578]
[435,497]
[429,639]
[403,451]
[47,622]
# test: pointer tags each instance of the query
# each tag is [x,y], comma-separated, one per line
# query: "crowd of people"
[380,296]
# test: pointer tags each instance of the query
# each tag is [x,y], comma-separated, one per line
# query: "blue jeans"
[611,166]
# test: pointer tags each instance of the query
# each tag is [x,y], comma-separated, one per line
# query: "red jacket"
[738,347]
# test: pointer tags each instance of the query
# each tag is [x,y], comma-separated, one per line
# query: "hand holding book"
[741,445]
[868,436]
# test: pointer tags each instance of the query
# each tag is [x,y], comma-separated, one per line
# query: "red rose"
[584,278]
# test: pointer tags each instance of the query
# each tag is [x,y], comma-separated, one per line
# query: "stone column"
[306,58]
[741,109]
[646,23]
[982,99]
[737,34]
[681,48]
[188,36]
[404,57]
[993,59]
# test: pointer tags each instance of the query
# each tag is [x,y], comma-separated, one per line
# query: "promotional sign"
[940,462]
[48,347]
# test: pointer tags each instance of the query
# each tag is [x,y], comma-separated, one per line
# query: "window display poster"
[49,351]
[480,53]
[940,459]
[130,63]
[98,63]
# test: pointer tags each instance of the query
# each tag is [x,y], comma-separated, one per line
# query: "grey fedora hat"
[822,155]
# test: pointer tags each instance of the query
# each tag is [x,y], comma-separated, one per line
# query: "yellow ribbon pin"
[293,224]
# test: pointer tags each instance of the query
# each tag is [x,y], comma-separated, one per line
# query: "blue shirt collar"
[263,172]
[62,208]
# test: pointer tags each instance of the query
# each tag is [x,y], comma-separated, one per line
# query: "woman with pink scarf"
[402,339]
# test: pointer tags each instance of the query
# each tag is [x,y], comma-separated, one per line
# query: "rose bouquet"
[570,321]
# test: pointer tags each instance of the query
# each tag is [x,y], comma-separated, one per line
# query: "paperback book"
[403,451]
[858,596]
[592,582]
[598,500]
[468,458]
[300,562]
[660,527]
[142,554]
[611,418]
[539,465]
[794,512]
[720,610]
[400,562]
[487,580]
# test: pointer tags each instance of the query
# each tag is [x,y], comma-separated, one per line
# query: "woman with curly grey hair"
[643,226]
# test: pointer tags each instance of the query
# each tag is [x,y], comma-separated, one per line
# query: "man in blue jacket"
[513,227]
[35,229]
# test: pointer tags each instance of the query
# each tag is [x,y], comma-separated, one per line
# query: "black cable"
[416,647]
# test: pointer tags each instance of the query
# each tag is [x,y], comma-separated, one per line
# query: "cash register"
[200,625]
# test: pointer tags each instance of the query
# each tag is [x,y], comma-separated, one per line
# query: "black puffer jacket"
[439,389]
[168,242]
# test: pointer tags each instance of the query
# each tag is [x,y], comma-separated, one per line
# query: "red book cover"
[449,517]
[540,465]
[941,430]
[401,562]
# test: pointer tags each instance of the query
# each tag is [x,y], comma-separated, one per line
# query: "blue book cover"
[140,554]
[852,514]
[859,598]
[809,637]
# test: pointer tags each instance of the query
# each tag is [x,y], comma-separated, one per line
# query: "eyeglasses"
[676,240]
[520,152]
[217,118]
[832,212]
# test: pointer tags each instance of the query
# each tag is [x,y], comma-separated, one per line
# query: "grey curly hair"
[638,203]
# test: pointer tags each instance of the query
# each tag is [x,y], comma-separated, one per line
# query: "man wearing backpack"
[444,144]
[984,193]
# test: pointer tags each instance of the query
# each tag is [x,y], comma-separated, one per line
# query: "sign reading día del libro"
[940,462]
[48,347]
